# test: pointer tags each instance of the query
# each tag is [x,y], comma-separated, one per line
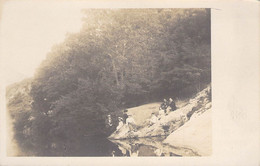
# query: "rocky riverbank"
[187,127]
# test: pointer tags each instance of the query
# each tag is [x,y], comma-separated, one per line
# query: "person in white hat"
[120,124]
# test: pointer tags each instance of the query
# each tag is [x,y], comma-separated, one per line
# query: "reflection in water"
[101,147]
[150,147]
[98,147]
[131,148]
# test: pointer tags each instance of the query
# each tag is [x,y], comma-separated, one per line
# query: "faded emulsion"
[131,82]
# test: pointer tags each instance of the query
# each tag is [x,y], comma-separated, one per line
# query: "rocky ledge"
[168,124]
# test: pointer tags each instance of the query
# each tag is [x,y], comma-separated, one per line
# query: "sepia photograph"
[129,82]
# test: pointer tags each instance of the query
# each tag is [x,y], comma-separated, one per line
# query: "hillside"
[119,59]
[19,108]
[18,97]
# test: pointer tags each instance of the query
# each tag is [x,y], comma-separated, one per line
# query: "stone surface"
[195,134]
[166,124]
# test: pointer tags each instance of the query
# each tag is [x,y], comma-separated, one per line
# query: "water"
[150,147]
[102,147]
[130,148]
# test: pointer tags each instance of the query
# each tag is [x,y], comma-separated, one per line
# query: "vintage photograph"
[108,82]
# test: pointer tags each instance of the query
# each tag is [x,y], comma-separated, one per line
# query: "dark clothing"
[172,106]
[164,106]
[125,116]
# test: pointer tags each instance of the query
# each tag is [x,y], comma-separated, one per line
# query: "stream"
[151,146]
[132,148]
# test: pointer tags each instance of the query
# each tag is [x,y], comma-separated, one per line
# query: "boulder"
[195,134]
[168,123]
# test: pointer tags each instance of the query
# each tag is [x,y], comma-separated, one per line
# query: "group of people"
[164,109]
[167,106]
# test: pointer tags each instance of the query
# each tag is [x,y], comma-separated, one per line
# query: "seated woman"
[120,124]
[131,123]
[153,120]
[161,113]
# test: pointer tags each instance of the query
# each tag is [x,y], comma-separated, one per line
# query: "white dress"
[161,113]
[119,125]
[130,120]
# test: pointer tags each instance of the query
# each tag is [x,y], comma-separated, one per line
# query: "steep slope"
[195,134]
[18,102]
[167,124]
[18,97]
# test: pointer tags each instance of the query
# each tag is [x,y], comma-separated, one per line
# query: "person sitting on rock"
[131,123]
[125,116]
[208,93]
[161,113]
[153,120]
[172,105]
[164,105]
[109,120]
[120,124]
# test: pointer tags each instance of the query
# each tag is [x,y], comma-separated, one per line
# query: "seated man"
[125,116]
[164,105]
[172,105]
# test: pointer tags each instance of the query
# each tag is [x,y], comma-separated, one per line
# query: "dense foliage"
[120,58]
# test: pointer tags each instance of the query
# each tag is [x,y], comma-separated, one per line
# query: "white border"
[235,82]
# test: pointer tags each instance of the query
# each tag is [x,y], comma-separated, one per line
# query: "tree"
[120,58]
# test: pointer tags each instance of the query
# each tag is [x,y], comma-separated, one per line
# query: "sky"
[29,30]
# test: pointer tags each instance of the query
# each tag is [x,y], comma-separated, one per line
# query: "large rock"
[195,134]
[166,124]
